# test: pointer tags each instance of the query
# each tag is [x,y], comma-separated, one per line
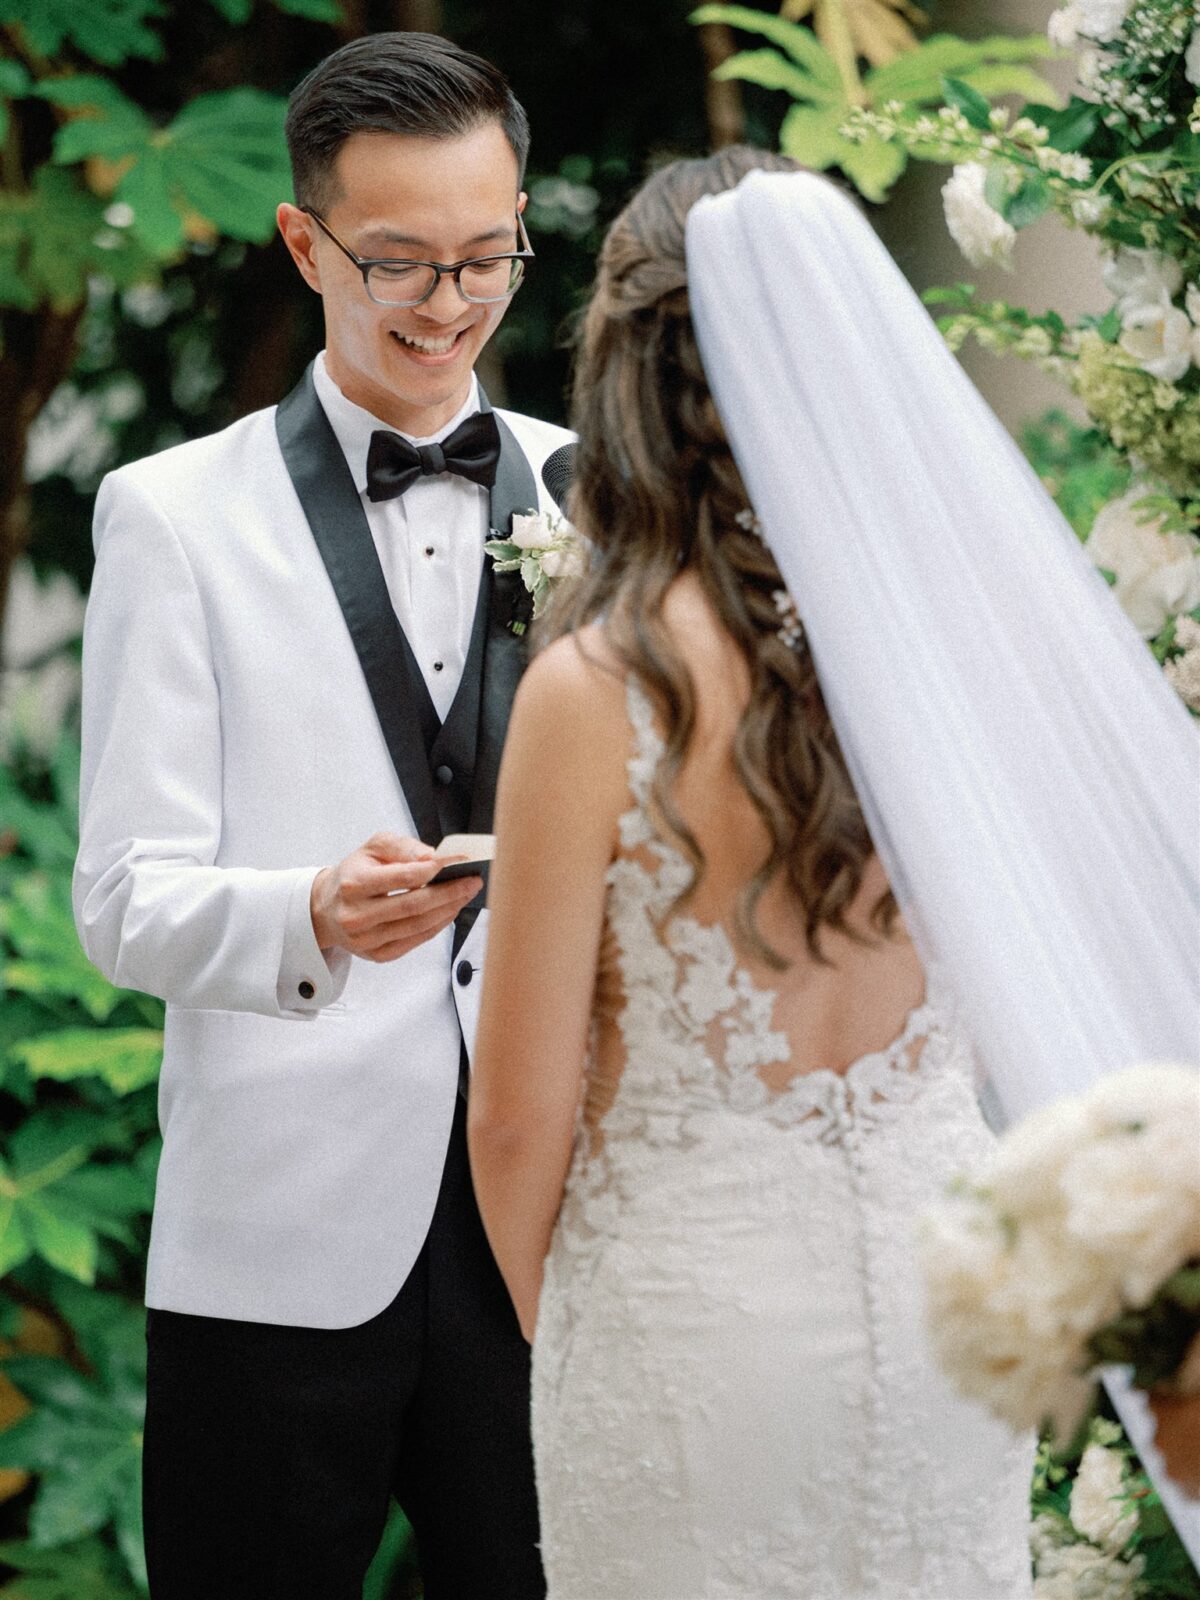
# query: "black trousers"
[271,1453]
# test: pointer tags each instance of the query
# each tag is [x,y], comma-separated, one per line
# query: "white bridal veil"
[1029,778]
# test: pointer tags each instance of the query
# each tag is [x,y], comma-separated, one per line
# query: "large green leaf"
[796,41]
[916,76]
[873,165]
[769,70]
[107,31]
[84,1435]
[37,922]
[44,1213]
[84,1438]
[84,1570]
[126,1058]
[314,10]
[53,239]
[222,159]
[14,82]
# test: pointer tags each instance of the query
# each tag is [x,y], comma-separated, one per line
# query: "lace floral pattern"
[731,1390]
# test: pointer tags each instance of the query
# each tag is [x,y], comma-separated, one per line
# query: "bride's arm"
[562,788]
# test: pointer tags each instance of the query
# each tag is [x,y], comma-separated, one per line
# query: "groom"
[299,667]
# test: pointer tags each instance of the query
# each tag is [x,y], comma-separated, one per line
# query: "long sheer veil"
[1030,780]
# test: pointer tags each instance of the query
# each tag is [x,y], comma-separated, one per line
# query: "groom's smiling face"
[395,195]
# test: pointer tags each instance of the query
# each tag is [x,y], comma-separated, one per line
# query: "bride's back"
[831,1012]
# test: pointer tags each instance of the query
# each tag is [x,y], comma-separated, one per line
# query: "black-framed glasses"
[482,280]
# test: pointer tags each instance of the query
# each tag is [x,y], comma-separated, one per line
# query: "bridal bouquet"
[1074,1245]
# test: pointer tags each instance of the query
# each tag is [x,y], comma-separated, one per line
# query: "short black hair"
[415,83]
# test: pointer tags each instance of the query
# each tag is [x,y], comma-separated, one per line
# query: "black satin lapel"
[505,652]
[331,504]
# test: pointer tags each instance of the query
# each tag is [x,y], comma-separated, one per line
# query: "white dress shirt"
[430,541]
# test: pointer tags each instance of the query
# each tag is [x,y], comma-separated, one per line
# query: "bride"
[715,1081]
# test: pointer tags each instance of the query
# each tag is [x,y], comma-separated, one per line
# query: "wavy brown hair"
[657,492]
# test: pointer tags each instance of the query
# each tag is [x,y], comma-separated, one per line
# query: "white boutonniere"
[542,547]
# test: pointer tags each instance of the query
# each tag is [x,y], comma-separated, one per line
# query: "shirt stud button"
[428,549]
[444,776]
[438,665]
[306,989]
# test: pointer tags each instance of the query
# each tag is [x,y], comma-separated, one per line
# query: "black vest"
[447,770]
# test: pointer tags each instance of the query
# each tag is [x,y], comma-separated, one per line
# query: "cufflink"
[306,989]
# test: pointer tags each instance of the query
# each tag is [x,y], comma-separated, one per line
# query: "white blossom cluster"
[1162,337]
[1138,42]
[1155,569]
[1183,673]
[1080,1213]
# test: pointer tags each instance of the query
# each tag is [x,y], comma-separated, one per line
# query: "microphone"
[558,470]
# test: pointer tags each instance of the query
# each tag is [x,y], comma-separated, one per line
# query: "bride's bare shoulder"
[578,676]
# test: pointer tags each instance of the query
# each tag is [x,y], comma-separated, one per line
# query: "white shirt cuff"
[309,977]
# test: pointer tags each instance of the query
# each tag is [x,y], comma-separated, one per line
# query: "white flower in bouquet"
[1081,1572]
[1157,571]
[1141,277]
[1159,338]
[1100,1506]
[1134,1197]
[1027,1265]
[1191,60]
[977,228]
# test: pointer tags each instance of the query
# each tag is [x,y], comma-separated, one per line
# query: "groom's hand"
[375,903]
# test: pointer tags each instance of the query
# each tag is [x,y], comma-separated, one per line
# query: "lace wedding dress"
[731,1390]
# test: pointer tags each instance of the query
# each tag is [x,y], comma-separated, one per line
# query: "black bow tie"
[471,451]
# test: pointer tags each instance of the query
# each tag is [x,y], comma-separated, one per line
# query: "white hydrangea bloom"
[1191,60]
[1081,1572]
[976,227]
[1100,1506]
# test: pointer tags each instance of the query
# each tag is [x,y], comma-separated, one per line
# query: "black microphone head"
[558,469]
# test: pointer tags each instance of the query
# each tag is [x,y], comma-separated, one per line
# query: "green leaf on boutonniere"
[503,550]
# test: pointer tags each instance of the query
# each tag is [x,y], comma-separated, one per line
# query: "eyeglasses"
[480,281]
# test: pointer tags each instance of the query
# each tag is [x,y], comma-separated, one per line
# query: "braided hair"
[657,492]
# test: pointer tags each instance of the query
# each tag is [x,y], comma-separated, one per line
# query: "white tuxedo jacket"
[232,746]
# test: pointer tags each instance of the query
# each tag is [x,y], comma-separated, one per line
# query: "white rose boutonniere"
[543,547]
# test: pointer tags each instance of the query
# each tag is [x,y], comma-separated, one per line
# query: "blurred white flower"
[1142,277]
[1090,210]
[1191,60]
[1091,1201]
[39,680]
[1183,672]
[1099,20]
[1159,338]
[1100,1506]
[1081,1572]
[1157,572]
[976,227]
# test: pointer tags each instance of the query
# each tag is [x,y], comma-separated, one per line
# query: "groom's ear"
[299,234]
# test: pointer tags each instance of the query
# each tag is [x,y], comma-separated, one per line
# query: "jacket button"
[306,989]
[444,776]
[464,972]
